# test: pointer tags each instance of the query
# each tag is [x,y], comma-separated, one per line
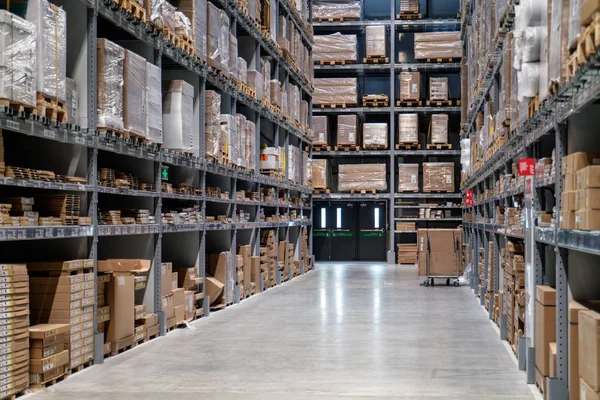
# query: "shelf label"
[12,124]
[49,134]
[79,140]
[60,232]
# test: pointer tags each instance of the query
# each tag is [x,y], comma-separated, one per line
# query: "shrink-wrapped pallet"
[335,47]
[438,45]
[285,103]
[439,128]
[154,109]
[212,117]
[438,177]
[51,47]
[559,41]
[410,85]
[335,91]
[438,89]
[233,56]
[319,174]
[242,67]
[275,92]
[347,129]
[574,21]
[72,104]
[304,115]
[320,130]
[409,6]
[17,59]
[266,75]
[214,37]
[255,82]
[294,103]
[195,10]
[293,161]
[408,128]
[362,177]
[229,133]
[134,94]
[161,13]
[408,177]
[240,121]
[375,38]
[111,58]
[178,113]
[324,9]
[224,42]
[307,169]
[250,146]
[375,135]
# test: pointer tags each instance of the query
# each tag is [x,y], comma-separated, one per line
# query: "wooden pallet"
[533,106]
[221,306]
[187,45]
[439,146]
[272,173]
[133,8]
[363,191]
[376,60]
[573,64]
[435,191]
[376,147]
[442,60]
[336,105]
[408,146]
[321,191]
[336,19]
[16,108]
[80,367]
[248,91]
[36,387]
[347,148]
[123,345]
[375,103]
[170,37]
[335,62]
[409,15]
[319,147]
[439,103]
[51,109]
[409,103]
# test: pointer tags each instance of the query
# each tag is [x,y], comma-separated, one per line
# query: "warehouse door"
[321,231]
[371,231]
[343,232]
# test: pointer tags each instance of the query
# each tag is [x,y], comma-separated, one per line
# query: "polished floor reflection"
[341,332]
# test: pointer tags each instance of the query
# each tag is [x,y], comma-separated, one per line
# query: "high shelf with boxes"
[386,111]
[148,161]
[530,111]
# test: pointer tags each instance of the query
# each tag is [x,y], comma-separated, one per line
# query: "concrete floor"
[341,332]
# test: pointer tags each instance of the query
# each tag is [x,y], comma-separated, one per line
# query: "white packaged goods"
[269,158]
[154,108]
[72,103]
[250,145]
[218,39]
[51,47]
[375,37]
[233,55]
[532,40]
[362,176]
[409,6]
[195,10]
[439,128]
[529,80]
[110,85]
[178,112]
[408,128]
[375,135]
[335,91]
[229,132]
[242,67]
[559,41]
[323,9]
[438,89]
[17,59]
[212,117]
[335,47]
[240,121]
[134,94]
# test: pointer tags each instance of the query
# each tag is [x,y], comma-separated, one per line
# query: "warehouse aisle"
[341,332]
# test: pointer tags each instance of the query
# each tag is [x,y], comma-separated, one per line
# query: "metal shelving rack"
[155,241]
[549,125]
[391,157]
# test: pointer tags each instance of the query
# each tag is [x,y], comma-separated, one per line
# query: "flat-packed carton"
[576,161]
[168,306]
[120,298]
[586,391]
[375,135]
[134,265]
[166,276]
[569,201]
[347,129]
[319,173]
[545,326]
[214,289]
[589,348]
[587,219]
[570,182]
[408,128]
[410,85]
[585,198]
[588,177]
[111,58]
[41,365]
[375,37]
[574,309]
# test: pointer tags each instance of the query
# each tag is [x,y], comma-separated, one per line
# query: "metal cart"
[430,281]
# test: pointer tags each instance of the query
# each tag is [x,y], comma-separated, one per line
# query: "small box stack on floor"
[268,257]
[63,293]
[306,256]
[580,208]
[14,335]
[545,333]
[244,268]
[490,281]
[514,289]
[407,253]
[48,354]
[190,280]
[220,285]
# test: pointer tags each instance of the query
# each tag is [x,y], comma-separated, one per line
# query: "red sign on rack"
[469,197]
[527,167]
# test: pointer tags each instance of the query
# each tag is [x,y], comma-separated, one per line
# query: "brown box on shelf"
[438,176]
[410,85]
[587,11]
[120,298]
[362,176]
[569,201]
[574,309]
[438,45]
[545,326]
[347,129]
[375,135]
[409,6]
[335,91]
[38,366]
[584,198]
[320,128]
[166,274]
[408,128]
[576,161]
[587,219]
[375,38]
[438,89]
[439,128]
[405,226]
[588,177]
[570,182]
[587,392]
[408,177]
[589,348]
[319,173]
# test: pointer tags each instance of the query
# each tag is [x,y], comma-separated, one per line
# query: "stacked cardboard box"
[409,6]
[335,91]
[286,256]
[111,59]
[335,47]
[407,253]
[439,128]
[48,355]
[268,257]
[438,177]
[218,39]
[220,267]
[581,182]
[347,129]
[362,177]
[545,331]
[63,293]
[190,280]
[440,248]
[320,128]
[243,264]
[405,226]
[514,291]
[408,128]
[438,45]
[14,352]
[408,177]
[375,41]
[584,319]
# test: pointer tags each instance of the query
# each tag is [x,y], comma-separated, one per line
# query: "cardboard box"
[552,361]
[588,177]
[53,361]
[217,265]
[179,313]
[178,297]
[587,198]
[405,226]
[577,161]
[47,351]
[545,326]
[443,264]
[246,253]
[570,182]
[574,308]
[375,38]
[410,85]
[120,298]
[124,265]
[166,275]
[586,391]
[56,266]
[44,331]
[588,9]
[589,348]
[138,311]
[587,219]
[569,201]
[567,220]
[214,289]
[168,307]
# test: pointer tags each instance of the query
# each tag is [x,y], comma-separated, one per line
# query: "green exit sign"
[164,173]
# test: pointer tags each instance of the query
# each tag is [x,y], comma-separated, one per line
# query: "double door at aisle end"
[350,231]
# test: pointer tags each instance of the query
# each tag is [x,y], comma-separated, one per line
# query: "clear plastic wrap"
[275,92]
[408,177]
[323,9]
[229,137]
[410,85]
[18,59]
[196,11]
[335,91]
[304,114]
[285,103]
[294,103]
[438,45]
[178,113]
[307,169]
[214,36]
[362,177]
[375,39]
[242,67]
[533,11]
[335,47]
[574,21]
[320,128]
[438,89]
[224,42]
[408,128]
[154,97]
[347,129]
[409,6]
[266,75]
[375,135]
[255,81]
[250,146]
[134,94]
[51,47]
[183,25]
[111,58]
[319,173]
[293,161]
[439,128]
[162,14]
[465,158]
[72,104]
[240,120]
[438,176]
[559,46]
[233,56]
[529,80]
[532,40]
[212,117]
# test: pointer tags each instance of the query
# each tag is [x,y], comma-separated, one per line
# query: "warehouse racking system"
[382,78]
[83,151]
[562,258]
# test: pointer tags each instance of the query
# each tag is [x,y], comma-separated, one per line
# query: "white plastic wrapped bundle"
[134,94]
[196,11]
[233,58]
[438,45]
[183,25]
[17,59]
[409,6]
[250,146]
[438,89]
[518,50]
[242,67]
[335,91]
[465,156]
[408,128]
[255,81]
[163,14]
[362,176]
[533,11]
[559,38]
[375,135]
[214,36]
[529,80]
[574,21]
[51,47]
[307,166]
[110,58]
[532,40]
[224,42]
[240,120]
[439,128]
[335,47]
[212,117]
[178,113]
[154,109]
[229,132]
[323,9]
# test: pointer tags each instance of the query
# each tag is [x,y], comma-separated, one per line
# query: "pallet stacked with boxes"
[49,355]
[268,257]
